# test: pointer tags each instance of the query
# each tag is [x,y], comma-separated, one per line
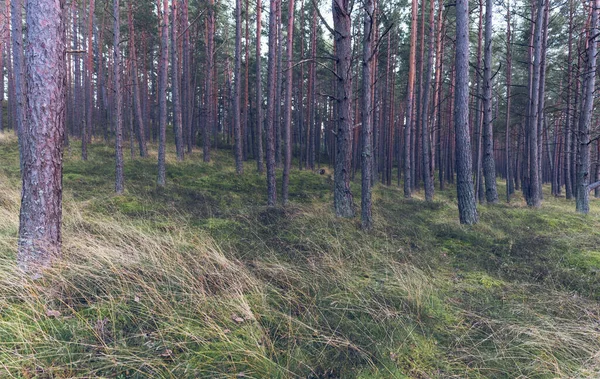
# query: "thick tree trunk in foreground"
[342,197]
[585,119]
[467,207]
[42,136]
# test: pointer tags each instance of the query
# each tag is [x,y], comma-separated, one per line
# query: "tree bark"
[259,94]
[271,99]
[42,136]
[583,174]
[162,95]
[467,207]
[287,122]
[175,93]
[367,127]
[489,163]
[118,116]
[237,126]
[342,22]
[410,102]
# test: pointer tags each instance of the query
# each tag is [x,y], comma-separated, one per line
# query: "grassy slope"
[202,280]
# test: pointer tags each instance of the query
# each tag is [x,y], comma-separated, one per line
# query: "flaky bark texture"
[42,137]
[583,174]
[367,126]
[342,197]
[467,207]
[210,63]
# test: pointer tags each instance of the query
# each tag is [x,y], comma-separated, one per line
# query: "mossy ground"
[201,279]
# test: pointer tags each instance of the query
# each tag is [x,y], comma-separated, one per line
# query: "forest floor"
[201,279]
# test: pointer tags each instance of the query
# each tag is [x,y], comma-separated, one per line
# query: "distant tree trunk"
[16,11]
[489,164]
[287,123]
[410,103]
[162,95]
[509,189]
[568,129]
[89,68]
[467,207]
[42,136]
[271,99]
[237,126]
[367,127]
[141,134]
[118,117]
[426,141]
[186,82]
[210,69]
[589,82]
[534,199]
[342,22]
[175,80]
[259,95]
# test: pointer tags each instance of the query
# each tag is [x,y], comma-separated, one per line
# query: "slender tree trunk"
[210,69]
[589,82]
[41,135]
[467,207]
[162,95]
[141,134]
[509,188]
[237,126]
[259,94]
[271,98]
[534,198]
[425,138]
[367,127]
[175,93]
[118,117]
[568,129]
[489,164]
[187,88]
[16,10]
[408,161]
[287,123]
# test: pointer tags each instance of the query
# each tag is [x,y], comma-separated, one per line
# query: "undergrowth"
[200,279]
